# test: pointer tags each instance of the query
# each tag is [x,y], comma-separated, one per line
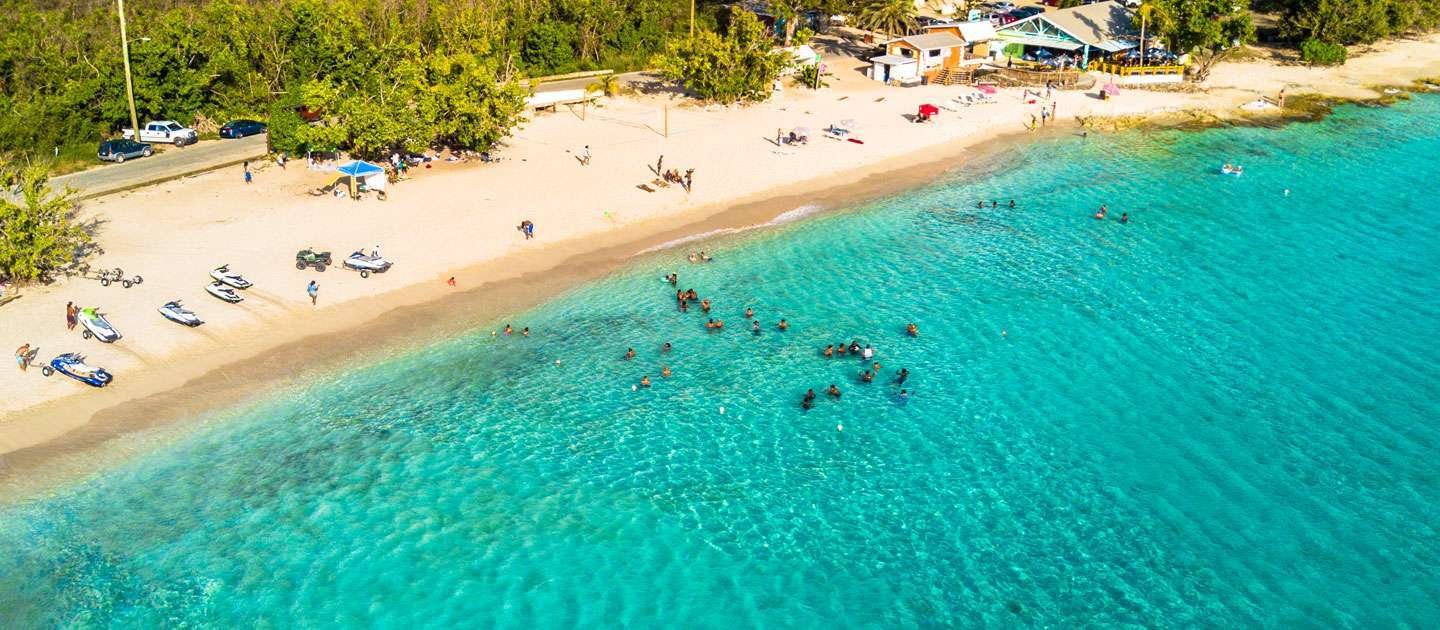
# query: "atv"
[311,258]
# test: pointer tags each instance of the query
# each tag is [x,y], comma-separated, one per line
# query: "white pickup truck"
[164,131]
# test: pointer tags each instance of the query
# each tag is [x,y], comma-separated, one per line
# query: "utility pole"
[129,85]
[692,18]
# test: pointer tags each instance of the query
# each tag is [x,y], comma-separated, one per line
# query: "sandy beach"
[460,220]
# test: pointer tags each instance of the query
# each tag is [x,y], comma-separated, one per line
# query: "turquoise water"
[1221,414]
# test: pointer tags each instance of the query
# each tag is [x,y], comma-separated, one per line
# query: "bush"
[1319,53]
[38,231]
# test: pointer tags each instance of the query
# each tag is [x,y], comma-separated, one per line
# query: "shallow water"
[1220,414]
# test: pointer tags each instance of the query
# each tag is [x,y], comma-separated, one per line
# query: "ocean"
[1222,413]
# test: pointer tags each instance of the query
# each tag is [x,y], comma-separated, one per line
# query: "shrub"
[1319,53]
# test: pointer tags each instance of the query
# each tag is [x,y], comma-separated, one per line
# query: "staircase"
[953,76]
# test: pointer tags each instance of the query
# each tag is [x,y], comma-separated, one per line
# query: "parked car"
[241,128]
[167,131]
[1001,19]
[1025,12]
[120,149]
[1003,7]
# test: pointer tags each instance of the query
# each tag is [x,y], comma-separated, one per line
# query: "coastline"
[44,445]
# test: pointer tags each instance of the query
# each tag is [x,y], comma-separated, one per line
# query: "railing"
[1058,78]
[1125,71]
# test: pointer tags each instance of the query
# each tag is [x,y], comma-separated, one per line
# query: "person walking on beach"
[1044,116]
[70,314]
[22,357]
[313,290]
[246,166]
[585,156]
[689,178]
[660,164]
[1054,107]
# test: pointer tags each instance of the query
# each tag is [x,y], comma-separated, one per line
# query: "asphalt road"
[580,84]
[164,165]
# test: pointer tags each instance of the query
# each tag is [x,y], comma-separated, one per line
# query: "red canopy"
[929,110]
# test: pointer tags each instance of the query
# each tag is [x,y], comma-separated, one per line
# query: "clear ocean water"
[1222,414]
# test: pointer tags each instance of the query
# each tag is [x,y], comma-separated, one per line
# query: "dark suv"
[120,149]
[241,128]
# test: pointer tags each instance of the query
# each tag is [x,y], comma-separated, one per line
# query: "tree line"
[380,74]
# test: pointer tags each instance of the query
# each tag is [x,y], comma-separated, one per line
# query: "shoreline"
[426,317]
[50,443]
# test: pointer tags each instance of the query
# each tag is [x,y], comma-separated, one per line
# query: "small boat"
[95,325]
[367,264]
[223,292]
[73,365]
[1235,170]
[223,275]
[177,313]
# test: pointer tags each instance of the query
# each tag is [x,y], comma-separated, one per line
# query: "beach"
[460,221]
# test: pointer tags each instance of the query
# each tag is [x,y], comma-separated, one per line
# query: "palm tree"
[607,84]
[888,16]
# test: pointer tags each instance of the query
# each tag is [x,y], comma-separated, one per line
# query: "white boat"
[223,275]
[1236,170]
[177,313]
[95,325]
[223,292]
[366,264]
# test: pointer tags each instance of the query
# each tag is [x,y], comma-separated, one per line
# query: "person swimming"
[868,353]
[508,329]
[645,381]
[840,349]
[834,391]
[525,332]
[684,306]
[665,371]
[904,397]
[711,324]
[867,377]
[901,376]
[691,295]
[1012,204]
[749,313]
[876,367]
[666,347]
[828,352]
[673,279]
[912,330]
[783,325]
[854,346]
[755,327]
[1124,217]
[1101,213]
[629,354]
[705,258]
[694,258]
[705,305]
[809,395]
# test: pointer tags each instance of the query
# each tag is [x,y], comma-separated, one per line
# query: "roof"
[360,168]
[892,60]
[1101,24]
[931,41]
[981,31]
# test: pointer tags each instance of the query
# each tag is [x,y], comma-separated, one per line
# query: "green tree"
[888,16]
[741,66]
[38,230]
[607,84]
[1208,30]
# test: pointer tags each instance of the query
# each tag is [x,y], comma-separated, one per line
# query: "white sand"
[454,218]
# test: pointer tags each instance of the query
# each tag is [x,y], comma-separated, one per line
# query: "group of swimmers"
[664,369]
[524,332]
[993,204]
[699,257]
[868,374]
[1100,214]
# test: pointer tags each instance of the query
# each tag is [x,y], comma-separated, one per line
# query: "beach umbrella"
[929,110]
[801,132]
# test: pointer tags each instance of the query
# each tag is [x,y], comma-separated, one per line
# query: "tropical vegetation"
[739,66]
[38,231]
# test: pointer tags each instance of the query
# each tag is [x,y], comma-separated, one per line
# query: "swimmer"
[867,377]
[666,347]
[705,305]
[629,354]
[783,325]
[691,295]
[980,204]
[807,404]
[900,378]
[719,323]
[673,279]
[508,329]
[828,352]
[755,327]
[684,306]
[854,346]
[525,332]
[665,371]
[869,353]
[705,258]
[1012,204]
[876,367]
[912,330]
[994,204]
[749,313]
[840,349]
[645,381]
[904,396]
[1124,217]
[711,324]
[809,395]
[834,391]
[693,257]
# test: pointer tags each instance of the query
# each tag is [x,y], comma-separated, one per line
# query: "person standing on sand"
[313,290]
[246,166]
[1054,106]
[689,178]
[660,164]
[585,156]
[70,311]
[22,357]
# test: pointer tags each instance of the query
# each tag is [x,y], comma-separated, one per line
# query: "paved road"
[580,84]
[165,165]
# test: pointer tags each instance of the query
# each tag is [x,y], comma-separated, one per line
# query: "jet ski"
[223,292]
[177,313]
[73,365]
[366,263]
[223,275]
[96,326]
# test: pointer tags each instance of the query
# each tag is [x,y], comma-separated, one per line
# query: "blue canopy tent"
[374,176]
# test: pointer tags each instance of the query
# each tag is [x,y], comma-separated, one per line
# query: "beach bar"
[1073,34]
